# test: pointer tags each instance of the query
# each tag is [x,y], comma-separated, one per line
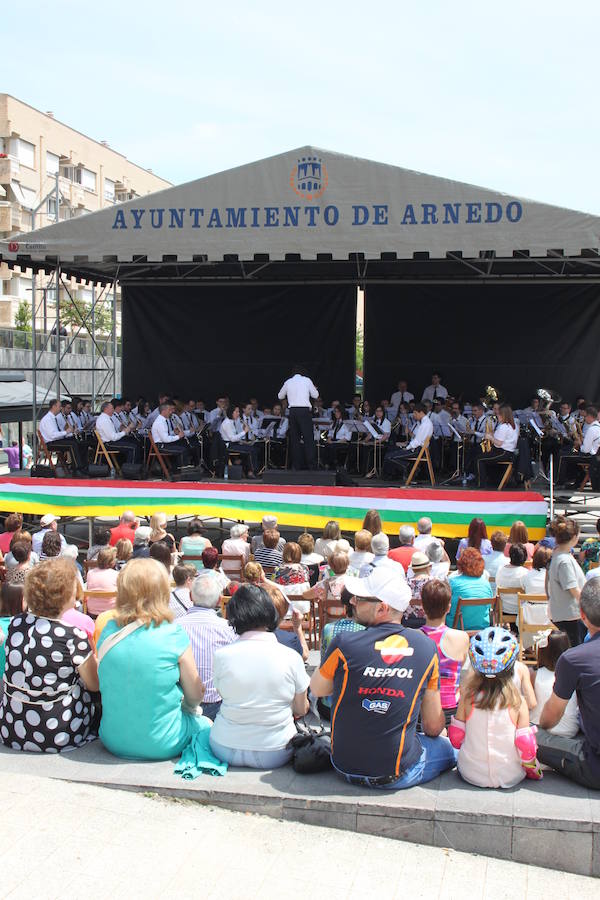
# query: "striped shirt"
[207,632]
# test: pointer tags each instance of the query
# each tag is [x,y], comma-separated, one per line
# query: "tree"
[23,316]
[359,349]
[74,312]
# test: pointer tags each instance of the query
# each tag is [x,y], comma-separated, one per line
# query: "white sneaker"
[470,477]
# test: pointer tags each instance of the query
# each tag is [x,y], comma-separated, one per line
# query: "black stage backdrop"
[515,337]
[203,342]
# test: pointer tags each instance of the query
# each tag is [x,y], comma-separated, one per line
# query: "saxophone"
[486,444]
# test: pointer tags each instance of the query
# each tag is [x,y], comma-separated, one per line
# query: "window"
[26,153]
[67,172]
[88,180]
[52,161]
[51,209]
[109,190]
[30,197]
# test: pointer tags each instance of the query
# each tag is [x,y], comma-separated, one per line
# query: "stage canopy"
[315,205]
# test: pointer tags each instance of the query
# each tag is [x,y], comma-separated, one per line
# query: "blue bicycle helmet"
[493,650]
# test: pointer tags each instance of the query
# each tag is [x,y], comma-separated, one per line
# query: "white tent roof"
[310,201]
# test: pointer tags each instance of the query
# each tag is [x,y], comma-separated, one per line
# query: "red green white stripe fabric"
[299,506]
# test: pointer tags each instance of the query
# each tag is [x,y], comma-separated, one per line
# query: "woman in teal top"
[148,681]
[194,543]
[470,584]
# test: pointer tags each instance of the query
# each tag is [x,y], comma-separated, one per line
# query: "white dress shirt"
[591,440]
[232,430]
[437,390]
[106,428]
[152,417]
[298,391]
[507,436]
[49,428]
[343,433]
[385,425]
[399,397]
[162,431]
[423,431]
[440,423]
[278,429]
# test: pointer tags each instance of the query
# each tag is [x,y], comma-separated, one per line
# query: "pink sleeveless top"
[449,668]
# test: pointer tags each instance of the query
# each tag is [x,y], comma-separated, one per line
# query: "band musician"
[585,449]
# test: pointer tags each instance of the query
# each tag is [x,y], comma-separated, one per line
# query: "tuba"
[491,396]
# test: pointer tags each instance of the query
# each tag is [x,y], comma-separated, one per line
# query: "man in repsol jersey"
[381,679]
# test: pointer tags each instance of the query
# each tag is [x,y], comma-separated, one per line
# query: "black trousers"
[179,449]
[301,426]
[335,454]
[567,465]
[496,455]
[130,448]
[574,629]
[568,756]
[398,458]
[77,449]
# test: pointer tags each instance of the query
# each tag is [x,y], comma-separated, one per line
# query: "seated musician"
[117,439]
[481,427]
[504,443]
[460,424]
[559,437]
[276,434]
[337,442]
[378,433]
[440,418]
[399,456]
[169,440]
[256,412]
[238,438]
[57,438]
[585,449]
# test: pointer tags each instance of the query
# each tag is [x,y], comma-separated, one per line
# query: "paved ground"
[76,840]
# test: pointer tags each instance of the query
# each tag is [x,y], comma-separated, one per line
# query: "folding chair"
[96,602]
[506,618]
[223,601]
[543,623]
[235,573]
[155,453]
[422,456]
[464,603]
[109,455]
[586,474]
[329,610]
[45,454]
[507,474]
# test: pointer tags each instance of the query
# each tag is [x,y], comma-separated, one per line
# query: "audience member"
[48,660]
[207,632]
[439,559]
[491,730]
[292,576]
[194,543]
[424,536]
[236,545]
[577,671]
[330,631]
[419,575]
[496,559]
[158,531]
[293,635]
[268,554]
[534,580]
[452,645]
[325,545]
[269,523]
[142,713]
[263,685]
[550,647]
[21,552]
[362,551]
[307,545]
[519,535]
[51,545]
[74,616]
[590,550]
[477,538]
[47,523]
[470,584]
[104,577]
[380,545]
[372,522]
[160,551]
[565,581]
[23,537]
[100,540]
[124,549]
[369,748]
[330,588]
[125,529]
[512,576]
[12,524]
[211,568]
[141,550]
[404,553]
[180,600]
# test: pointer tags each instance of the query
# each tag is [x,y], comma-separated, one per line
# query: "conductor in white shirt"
[299,390]
[436,390]
[57,438]
[397,456]
[117,440]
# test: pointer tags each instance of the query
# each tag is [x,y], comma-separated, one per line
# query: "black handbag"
[312,749]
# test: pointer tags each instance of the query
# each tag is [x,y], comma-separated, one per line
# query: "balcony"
[11,218]
[9,169]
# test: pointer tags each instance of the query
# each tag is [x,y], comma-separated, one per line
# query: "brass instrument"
[487,444]
[491,396]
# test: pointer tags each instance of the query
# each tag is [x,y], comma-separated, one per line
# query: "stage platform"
[300,506]
[553,823]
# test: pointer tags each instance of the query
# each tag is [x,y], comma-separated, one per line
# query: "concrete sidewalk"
[76,840]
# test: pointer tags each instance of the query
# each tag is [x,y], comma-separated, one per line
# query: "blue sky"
[501,95]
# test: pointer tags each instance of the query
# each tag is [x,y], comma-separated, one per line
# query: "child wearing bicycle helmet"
[491,730]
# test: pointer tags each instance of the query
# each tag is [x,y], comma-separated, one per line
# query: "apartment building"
[36,151]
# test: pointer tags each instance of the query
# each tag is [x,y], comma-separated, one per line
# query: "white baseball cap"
[384,584]
[270,521]
[48,519]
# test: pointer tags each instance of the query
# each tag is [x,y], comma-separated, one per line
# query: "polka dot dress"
[45,707]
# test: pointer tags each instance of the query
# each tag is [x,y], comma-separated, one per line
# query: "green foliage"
[359,349]
[23,316]
[73,312]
